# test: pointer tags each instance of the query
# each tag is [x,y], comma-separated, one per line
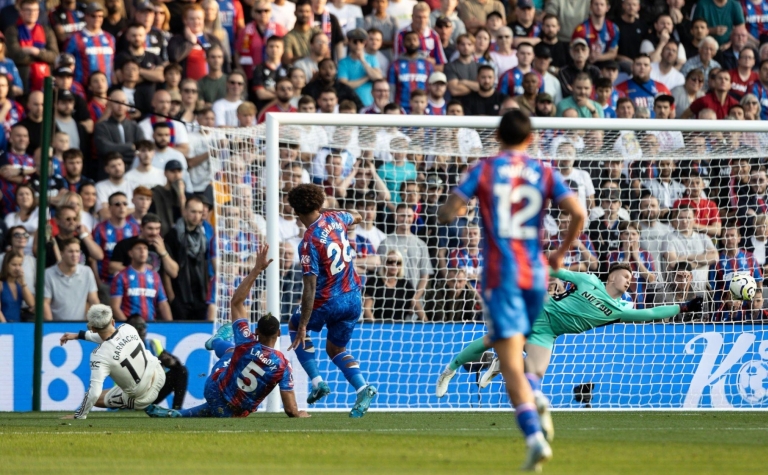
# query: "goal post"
[714,360]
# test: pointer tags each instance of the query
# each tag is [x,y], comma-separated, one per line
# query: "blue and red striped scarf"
[35,38]
[154,120]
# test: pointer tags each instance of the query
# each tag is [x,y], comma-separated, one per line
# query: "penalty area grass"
[383,443]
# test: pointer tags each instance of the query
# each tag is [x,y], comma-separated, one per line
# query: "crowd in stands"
[131,186]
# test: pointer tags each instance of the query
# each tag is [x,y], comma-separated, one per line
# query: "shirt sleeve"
[468,186]
[343,72]
[286,382]
[242,331]
[160,297]
[560,190]
[309,260]
[577,278]
[99,372]
[655,313]
[118,287]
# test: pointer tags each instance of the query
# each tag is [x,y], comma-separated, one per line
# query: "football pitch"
[383,443]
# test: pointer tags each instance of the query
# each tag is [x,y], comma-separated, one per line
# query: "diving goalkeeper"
[587,304]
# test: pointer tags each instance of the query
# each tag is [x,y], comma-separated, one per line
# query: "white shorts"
[116,398]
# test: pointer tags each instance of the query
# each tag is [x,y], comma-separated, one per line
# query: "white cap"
[437,77]
[99,316]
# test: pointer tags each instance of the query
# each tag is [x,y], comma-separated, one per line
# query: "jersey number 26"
[339,257]
[511,225]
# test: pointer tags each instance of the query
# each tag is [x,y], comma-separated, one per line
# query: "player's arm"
[450,209]
[357,219]
[570,204]
[244,289]
[82,335]
[99,372]
[662,312]
[289,405]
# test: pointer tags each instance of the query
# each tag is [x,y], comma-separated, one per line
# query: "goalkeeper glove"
[693,305]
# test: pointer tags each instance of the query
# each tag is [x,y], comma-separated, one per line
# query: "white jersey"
[123,357]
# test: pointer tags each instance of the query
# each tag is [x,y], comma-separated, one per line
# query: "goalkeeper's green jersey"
[587,305]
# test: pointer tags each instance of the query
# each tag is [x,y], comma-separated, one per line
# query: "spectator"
[473,12]
[722,16]
[142,201]
[117,134]
[31,45]
[359,70]
[65,20]
[16,169]
[299,39]
[93,48]
[189,49]
[109,232]
[319,51]
[409,72]
[213,86]
[328,23]
[429,42]
[26,214]
[462,72]
[582,257]
[504,56]
[644,286]
[544,106]
[729,58]
[373,48]
[662,35]
[751,106]
[448,11]
[703,61]
[664,70]
[632,29]
[527,101]
[455,300]
[13,288]
[188,246]
[158,260]
[756,245]
[732,260]
[114,21]
[579,179]
[641,89]
[717,99]
[349,15]
[384,25]
[168,200]
[570,14]
[144,172]
[367,228]
[97,90]
[601,34]
[511,83]
[550,29]
[150,64]
[686,94]
[66,123]
[389,295]
[253,40]
[760,89]
[666,189]
[683,244]
[9,69]
[436,104]
[73,166]
[327,78]
[467,257]
[70,288]
[282,103]
[487,99]
[603,95]
[33,122]
[115,168]
[578,99]
[526,28]
[265,75]
[225,109]
[542,63]
[138,290]
[17,239]
[579,52]
[743,78]
[161,108]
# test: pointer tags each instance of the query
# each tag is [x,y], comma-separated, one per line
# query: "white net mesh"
[687,210]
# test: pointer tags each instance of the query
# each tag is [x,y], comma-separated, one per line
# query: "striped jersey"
[511,82]
[92,52]
[141,292]
[407,75]
[429,43]
[7,188]
[722,272]
[512,189]
[253,371]
[755,16]
[642,94]
[107,236]
[70,21]
[325,252]
[230,13]
[600,40]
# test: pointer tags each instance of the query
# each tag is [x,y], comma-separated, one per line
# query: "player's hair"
[99,317]
[71,154]
[619,266]
[4,274]
[306,198]
[73,240]
[515,128]
[268,326]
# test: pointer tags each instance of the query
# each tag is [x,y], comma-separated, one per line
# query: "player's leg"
[472,352]
[340,328]
[538,351]
[175,382]
[307,356]
[222,336]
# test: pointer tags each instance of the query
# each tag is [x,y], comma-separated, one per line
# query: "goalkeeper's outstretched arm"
[244,289]
[660,313]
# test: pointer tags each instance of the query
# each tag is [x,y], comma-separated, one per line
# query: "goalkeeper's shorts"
[340,314]
[542,333]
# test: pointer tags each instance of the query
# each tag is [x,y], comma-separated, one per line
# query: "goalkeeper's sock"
[471,352]
[220,346]
[306,354]
[198,411]
[535,382]
[528,419]
[351,369]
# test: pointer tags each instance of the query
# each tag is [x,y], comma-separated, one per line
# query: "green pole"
[41,242]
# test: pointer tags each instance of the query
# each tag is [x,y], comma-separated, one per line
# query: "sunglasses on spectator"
[119,203]
[504,36]
[752,103]
[236,83]
[697,79]
[266,10]
[358,41]
[21,235]
[393,262]
[189,91]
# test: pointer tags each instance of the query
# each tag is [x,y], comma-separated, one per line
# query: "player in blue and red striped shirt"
[755,17]
[409,72]
[92,47]
[513,190]
[429,41]
[511,82]
[732,259]
[640,88]
[108,233]
[137,289]
[601,34]
[331,296]
[248,369]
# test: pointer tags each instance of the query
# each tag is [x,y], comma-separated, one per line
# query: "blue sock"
[534,381]
[351,369]
[528,419]
[221,346]
[307,356]
[197,411]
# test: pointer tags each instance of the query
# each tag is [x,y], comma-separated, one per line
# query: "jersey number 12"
[511,225]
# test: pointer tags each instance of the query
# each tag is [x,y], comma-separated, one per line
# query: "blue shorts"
[509,311]
[218,406]
[339,314]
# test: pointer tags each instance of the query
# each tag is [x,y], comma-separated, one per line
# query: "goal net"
[682,202]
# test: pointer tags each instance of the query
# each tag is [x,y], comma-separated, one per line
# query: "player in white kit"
[138,375]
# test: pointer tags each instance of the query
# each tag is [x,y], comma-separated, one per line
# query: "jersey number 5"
[511,225]
[250,374]
[340,256]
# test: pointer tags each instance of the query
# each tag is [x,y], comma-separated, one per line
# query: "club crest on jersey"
[305,259]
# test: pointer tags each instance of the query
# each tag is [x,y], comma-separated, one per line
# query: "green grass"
[382,443]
